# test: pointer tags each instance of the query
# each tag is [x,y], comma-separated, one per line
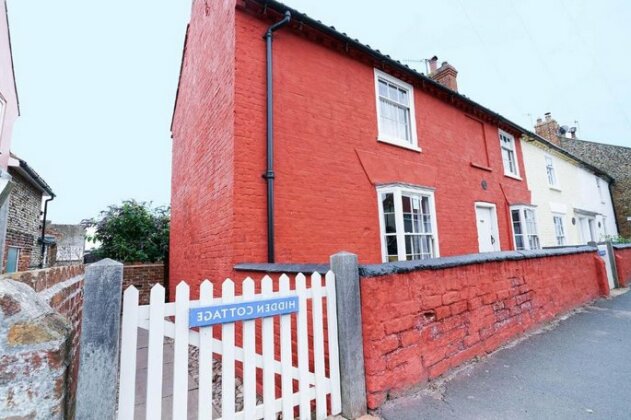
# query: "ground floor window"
[559,229]
[13,257]
[525,227]
[408,223]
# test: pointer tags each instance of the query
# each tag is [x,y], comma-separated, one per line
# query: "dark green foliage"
[132,232]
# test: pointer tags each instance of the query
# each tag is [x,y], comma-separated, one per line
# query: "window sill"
[478,166]
[399,144]
[553,188]
[517,177]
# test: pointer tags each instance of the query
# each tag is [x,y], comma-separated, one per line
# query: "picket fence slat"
[269,385]
[334,353]
[227,361]
[205,381]
[285,356]
[249,360]
[285,359]
[155,353]
[129,337]
[318,346]
[180,351]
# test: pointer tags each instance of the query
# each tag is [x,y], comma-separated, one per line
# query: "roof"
[301,20]
[25,170]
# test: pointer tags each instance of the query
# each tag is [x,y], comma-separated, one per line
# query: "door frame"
[494,223]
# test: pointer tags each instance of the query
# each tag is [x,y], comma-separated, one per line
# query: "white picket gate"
[172,320]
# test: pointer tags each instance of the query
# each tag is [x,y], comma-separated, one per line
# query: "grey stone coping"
[375,270]
[283,268]
[621,246]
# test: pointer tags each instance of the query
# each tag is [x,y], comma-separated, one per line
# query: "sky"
[97,80]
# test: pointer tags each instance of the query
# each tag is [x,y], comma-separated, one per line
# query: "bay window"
[408,223]
[524,228]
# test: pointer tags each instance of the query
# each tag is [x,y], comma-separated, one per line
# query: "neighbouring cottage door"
[487,228]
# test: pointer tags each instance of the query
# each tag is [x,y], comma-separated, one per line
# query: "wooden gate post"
[100,329]
[350,338]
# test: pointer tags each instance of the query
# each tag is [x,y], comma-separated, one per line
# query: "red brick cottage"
[369,156]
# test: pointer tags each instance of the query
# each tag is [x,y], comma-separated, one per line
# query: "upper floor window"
[509,154]
[408,223]
[395,111]
[525,228]
[600,190]
[559,229]
[551,172]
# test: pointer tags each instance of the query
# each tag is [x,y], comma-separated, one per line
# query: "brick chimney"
[446,74]
[548,128]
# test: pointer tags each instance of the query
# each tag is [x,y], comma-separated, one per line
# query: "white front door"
[487,228]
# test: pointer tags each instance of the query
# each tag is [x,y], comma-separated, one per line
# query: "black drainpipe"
[269,173]
[41,263]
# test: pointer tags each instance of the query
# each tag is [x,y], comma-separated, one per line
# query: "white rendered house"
[572,198]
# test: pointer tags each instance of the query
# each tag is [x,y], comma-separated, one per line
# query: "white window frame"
[524,227]
[397,190]
[412,144]
[551,168]
[560,239]
[513,149]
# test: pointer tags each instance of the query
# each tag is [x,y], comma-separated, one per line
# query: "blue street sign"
[242,311]
[602,252]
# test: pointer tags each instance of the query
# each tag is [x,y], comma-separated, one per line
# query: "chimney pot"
[433,64]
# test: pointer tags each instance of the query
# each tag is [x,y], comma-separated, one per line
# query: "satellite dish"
[563,129]
[572,130]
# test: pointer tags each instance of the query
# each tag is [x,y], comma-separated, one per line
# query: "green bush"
[132,232]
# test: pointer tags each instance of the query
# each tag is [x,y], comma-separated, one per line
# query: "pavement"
[167,381]
[580,369]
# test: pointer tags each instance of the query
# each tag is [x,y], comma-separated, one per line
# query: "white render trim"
[492,206]
[396,142]
[397,189]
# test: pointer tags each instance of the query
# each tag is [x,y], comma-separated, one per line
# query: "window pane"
[516,222]
[387,201]
[390,223]
[519,242]
[383,88]
[391,246]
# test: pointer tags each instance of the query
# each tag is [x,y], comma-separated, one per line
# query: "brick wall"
[62,289]
[623,264]
[328,161]
[143,277]
[23,222]
[203,150]
[419,324]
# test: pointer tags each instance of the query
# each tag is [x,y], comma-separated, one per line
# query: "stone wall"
[23,222]
[616,161]
[40,324]
[421,319]
[143,277]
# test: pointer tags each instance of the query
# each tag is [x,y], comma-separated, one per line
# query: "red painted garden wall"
[420,324]
[327,158]
[623,264]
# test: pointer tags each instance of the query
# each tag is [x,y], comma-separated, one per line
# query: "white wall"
[7,89]
[576,195]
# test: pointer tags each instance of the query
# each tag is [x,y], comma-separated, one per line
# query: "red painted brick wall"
[623,264]
[327,158]
[203,148]
[62,288]
[143,277]
[419,325]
